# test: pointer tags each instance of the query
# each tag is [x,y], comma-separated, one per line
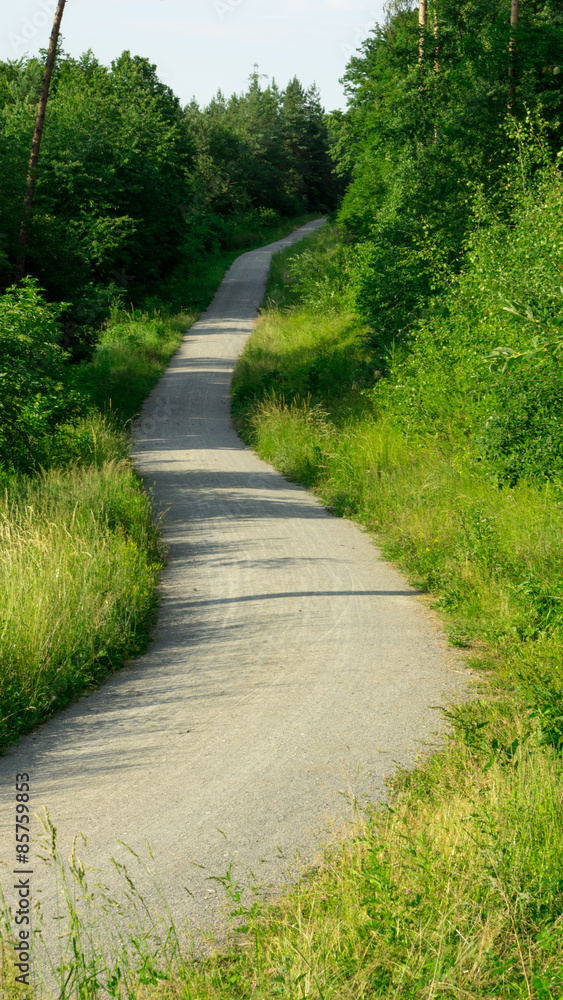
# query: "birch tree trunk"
[514,15]
[36,143]
[422,18]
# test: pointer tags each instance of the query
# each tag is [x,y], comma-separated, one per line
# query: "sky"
[200,46]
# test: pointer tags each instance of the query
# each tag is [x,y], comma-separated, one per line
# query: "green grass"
[132,353]
[80,553]
[79,560]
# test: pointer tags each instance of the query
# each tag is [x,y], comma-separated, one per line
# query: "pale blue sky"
[201,45]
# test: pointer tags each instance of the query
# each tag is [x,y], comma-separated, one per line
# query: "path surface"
[290,663]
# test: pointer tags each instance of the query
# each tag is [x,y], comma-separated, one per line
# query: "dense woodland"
[451,228]
[133,187]
[436,149]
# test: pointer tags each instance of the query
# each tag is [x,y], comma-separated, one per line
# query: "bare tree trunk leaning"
[422,18]
[514,14]
[36,143]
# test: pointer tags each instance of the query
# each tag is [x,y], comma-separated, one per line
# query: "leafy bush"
[33,394]
[470,369]
[523,436]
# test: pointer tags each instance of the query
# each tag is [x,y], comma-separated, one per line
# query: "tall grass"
[79,554]
[132,352]
[79,560]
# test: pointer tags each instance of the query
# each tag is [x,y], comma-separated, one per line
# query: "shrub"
[33,397]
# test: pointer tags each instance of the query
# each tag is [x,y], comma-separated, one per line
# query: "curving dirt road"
[290,663]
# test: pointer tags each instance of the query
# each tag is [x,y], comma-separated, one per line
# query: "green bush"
[447,380]
[34,397]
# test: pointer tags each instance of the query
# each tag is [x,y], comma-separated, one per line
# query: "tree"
[36,142]
[514,12]
[417,140]
[422,18]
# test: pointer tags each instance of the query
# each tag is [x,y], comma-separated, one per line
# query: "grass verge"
[80,553]
[78,567]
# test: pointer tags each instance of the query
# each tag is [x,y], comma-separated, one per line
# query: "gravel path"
[290,663]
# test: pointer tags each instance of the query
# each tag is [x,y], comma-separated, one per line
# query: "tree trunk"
[422,18]
[436,62]
[36,143]
[514,14]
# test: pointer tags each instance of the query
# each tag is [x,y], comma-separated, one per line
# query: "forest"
[133,184]
[406,368]
[451,166]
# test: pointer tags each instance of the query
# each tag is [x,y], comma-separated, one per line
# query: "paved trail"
[287,655]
